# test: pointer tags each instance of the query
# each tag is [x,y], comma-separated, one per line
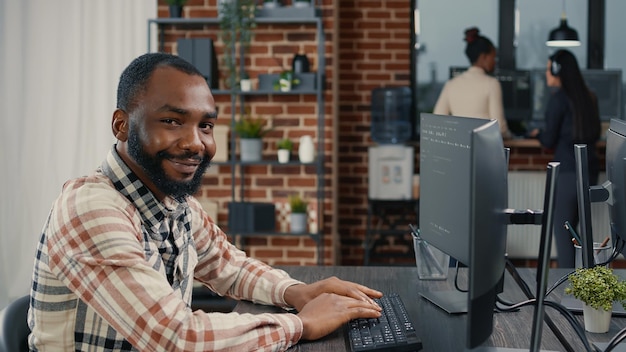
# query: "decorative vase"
[300,63]
[283,155]
[596,320]
[298,223]
[251,149]
[306,150]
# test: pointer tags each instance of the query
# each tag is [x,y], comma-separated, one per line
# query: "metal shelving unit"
[235,164]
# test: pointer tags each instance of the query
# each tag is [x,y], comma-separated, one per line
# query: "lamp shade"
[563,36]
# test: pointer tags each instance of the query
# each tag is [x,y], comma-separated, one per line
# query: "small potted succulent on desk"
[298,219]
[598,288]
[285,146]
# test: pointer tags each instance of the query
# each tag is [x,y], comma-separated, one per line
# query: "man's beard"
[152,165]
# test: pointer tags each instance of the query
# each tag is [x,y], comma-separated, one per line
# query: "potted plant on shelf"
[237,21]
[251,131]
[286,81]
[298,217]
[598,288]
[245,84]
[176,7]
[285,146]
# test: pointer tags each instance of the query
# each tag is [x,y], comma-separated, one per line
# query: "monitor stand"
[453,302]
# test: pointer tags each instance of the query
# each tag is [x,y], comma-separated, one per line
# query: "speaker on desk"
[201,53]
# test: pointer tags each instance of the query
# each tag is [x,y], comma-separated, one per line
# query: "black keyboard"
[393,331]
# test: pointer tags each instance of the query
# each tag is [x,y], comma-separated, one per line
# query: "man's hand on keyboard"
[328,311]
[299,295]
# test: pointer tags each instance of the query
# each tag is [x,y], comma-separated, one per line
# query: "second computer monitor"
[463,197]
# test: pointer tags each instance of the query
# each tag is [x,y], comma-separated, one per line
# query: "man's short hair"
[135,76]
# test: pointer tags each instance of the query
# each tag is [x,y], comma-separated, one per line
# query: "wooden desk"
[440,331]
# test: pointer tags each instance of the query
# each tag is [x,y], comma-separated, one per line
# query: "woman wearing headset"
[571,117]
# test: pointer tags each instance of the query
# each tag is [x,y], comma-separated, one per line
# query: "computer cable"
[456,278]
[530,295]
[573,323]
[565,313]
[518,279]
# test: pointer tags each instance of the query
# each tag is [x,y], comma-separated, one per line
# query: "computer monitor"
[463,197]
[612,192]
[606,85]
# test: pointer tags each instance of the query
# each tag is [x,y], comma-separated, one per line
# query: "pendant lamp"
[563,35]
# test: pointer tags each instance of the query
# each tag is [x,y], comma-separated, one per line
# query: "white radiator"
[526,190]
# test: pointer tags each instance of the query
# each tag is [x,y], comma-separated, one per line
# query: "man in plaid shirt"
[121,248]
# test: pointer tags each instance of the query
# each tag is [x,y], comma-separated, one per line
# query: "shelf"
[185,21]
[311,85]
[315,236]
[216,20]
[265,162]
[264,92]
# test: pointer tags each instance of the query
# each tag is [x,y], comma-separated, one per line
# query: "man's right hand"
[328,311]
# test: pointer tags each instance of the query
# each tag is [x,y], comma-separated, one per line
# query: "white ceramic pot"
[283,155]
[306,150]
[250,149]
[596,320]
[298,223]
[245,85]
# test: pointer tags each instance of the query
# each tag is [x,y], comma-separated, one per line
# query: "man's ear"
[119,125]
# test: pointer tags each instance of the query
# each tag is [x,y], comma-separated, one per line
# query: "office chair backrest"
[14,327]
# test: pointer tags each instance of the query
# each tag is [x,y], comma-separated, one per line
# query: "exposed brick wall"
[373,52]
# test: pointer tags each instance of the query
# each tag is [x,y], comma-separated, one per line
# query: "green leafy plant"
[597,287]
[297,203]
[248,127]
[236,31]
[285,143]
[286,81]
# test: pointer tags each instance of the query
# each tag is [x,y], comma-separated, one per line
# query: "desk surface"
[440,331]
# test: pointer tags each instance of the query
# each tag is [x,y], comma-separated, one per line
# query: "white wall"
[59,65]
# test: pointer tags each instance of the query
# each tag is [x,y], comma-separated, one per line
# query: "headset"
[555,67]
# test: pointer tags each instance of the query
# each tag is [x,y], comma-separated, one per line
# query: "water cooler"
[391,161]
[391,204]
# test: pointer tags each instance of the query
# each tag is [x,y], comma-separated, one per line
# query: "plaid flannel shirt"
[114,271]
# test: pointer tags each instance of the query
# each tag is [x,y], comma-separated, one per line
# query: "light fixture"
[563,35]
